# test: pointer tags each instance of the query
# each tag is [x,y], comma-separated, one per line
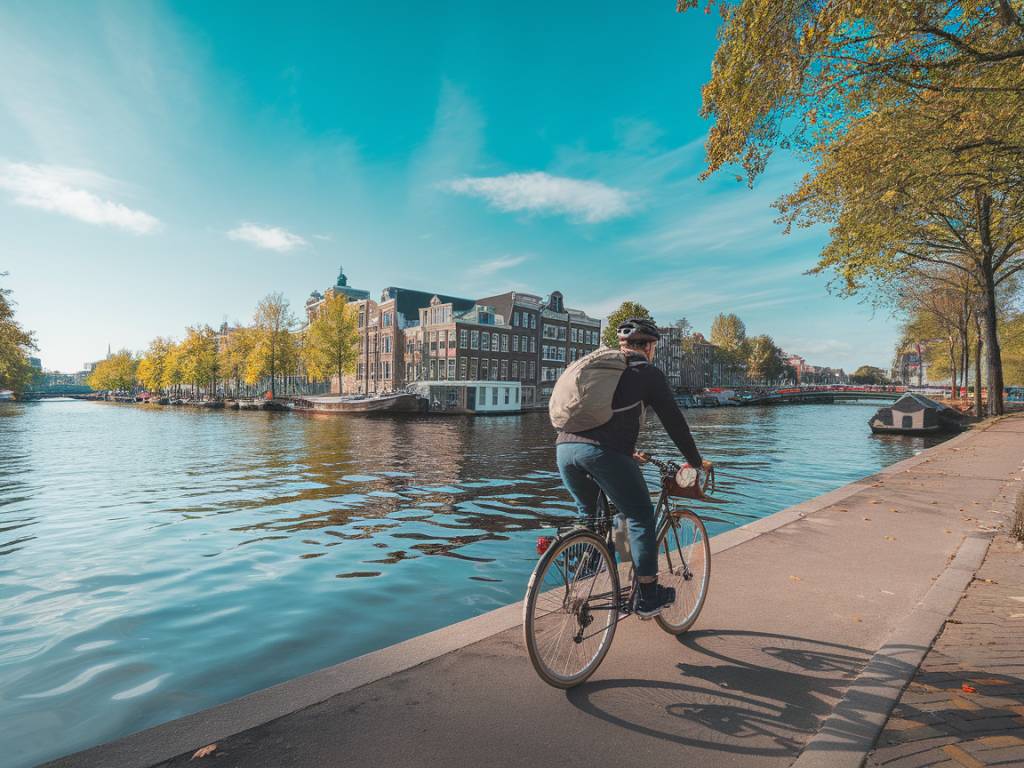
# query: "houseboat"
[399,402]
[479,397]
[915,414]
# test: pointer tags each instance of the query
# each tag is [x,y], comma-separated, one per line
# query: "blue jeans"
[587,469]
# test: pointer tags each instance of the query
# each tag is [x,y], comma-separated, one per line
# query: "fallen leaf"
[894,510]
[876,501]
[868,519]
[209,749]
[794,578]
[948,531]
[890,538]
[968,688]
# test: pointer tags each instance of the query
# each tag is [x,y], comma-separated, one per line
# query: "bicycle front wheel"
[571,609]
[684,563]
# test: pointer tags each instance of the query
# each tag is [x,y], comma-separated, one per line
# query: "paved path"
[965,706]
[793,616]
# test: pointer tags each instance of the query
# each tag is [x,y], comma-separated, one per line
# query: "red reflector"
[543,542]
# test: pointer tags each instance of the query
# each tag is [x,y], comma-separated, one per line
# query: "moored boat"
[915,414]
[401,402]
[5,395]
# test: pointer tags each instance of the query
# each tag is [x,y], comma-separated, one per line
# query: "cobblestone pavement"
[965,706]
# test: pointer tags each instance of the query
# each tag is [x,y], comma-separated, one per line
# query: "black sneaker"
[649,602]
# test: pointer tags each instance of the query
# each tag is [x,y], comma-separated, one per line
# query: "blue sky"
[166,164]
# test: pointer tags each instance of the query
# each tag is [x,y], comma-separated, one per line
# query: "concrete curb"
[168,740]
[849,734]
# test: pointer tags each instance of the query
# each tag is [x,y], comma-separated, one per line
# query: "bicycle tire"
[683,539]
[578,560]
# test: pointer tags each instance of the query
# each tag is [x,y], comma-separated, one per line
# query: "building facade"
[410,336]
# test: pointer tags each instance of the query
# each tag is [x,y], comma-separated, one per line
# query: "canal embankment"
[807,608]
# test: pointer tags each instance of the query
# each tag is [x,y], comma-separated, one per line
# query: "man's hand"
[641,457]
[706,465]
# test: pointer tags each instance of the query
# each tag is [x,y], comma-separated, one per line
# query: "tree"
[171,375]
[869,374]
[916,108]
[274,349]
[116,373]
[235,349]
[16,373]
[794,73]
[331,344]
[764,360]
[892,211]
[151,367]
[198,357]
[729,335]
[625,311]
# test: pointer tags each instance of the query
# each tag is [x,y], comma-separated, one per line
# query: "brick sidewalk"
[965,706]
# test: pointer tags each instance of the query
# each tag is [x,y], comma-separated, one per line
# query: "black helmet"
[638,329]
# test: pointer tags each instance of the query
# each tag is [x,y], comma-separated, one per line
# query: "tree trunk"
[989,319]
[952,368]
[977,367]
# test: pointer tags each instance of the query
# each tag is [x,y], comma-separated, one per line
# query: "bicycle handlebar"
[669,469]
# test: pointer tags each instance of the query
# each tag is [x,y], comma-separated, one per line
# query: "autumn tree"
[151,367]
[234,352]
[115,374]
[274,351]
[171,371]
[916,110]
[331,343]
[729,335]
[15,345]
[198,357]
[869,374]
[764,360]
[625,311]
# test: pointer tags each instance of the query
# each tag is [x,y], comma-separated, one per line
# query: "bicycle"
[574,599]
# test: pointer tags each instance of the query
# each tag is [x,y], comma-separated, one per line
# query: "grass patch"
[1018,523]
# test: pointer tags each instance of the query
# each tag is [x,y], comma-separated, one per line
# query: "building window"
[386,319]
[494,342]
[462,368]
[474,339]
[515,318]
[504,342]
[533,370]
[533,321]
[504,370]
[485,369]
[533,343]
[387,343]
[463,338]
[485,342]
[494,395]
[508,394]
[473,369]
[515,369]
[515,343]
[451,368]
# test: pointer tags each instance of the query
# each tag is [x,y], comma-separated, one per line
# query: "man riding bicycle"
[605,457]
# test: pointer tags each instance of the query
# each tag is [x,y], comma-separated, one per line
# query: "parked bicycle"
[575,599]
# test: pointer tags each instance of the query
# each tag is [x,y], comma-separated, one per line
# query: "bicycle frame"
[602,526]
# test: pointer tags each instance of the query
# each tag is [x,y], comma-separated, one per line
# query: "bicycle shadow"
[753,693]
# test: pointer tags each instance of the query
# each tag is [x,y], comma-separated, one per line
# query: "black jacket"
[644,384]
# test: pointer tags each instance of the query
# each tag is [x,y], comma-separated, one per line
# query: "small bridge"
[76,391]
[793,396]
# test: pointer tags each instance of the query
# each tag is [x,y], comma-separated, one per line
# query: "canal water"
[154,562]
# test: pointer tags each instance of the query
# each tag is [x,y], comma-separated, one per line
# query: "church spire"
[342,280]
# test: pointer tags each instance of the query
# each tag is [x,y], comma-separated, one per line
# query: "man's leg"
[576,479]
[620,477]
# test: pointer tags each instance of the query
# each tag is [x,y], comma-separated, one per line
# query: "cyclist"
[605,457]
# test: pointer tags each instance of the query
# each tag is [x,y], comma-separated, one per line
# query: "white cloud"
[271,238]
[590,201]
[496,265]
[70,191]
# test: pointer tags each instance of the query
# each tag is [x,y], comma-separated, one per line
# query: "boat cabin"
[471,396]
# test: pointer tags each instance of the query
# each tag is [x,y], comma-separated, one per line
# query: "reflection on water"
[154,562]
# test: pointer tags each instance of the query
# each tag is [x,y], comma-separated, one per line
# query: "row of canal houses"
[501,352]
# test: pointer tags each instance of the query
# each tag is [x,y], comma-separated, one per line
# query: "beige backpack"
[582,397]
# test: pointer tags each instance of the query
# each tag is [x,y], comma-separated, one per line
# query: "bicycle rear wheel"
[684,563]
[571,608]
